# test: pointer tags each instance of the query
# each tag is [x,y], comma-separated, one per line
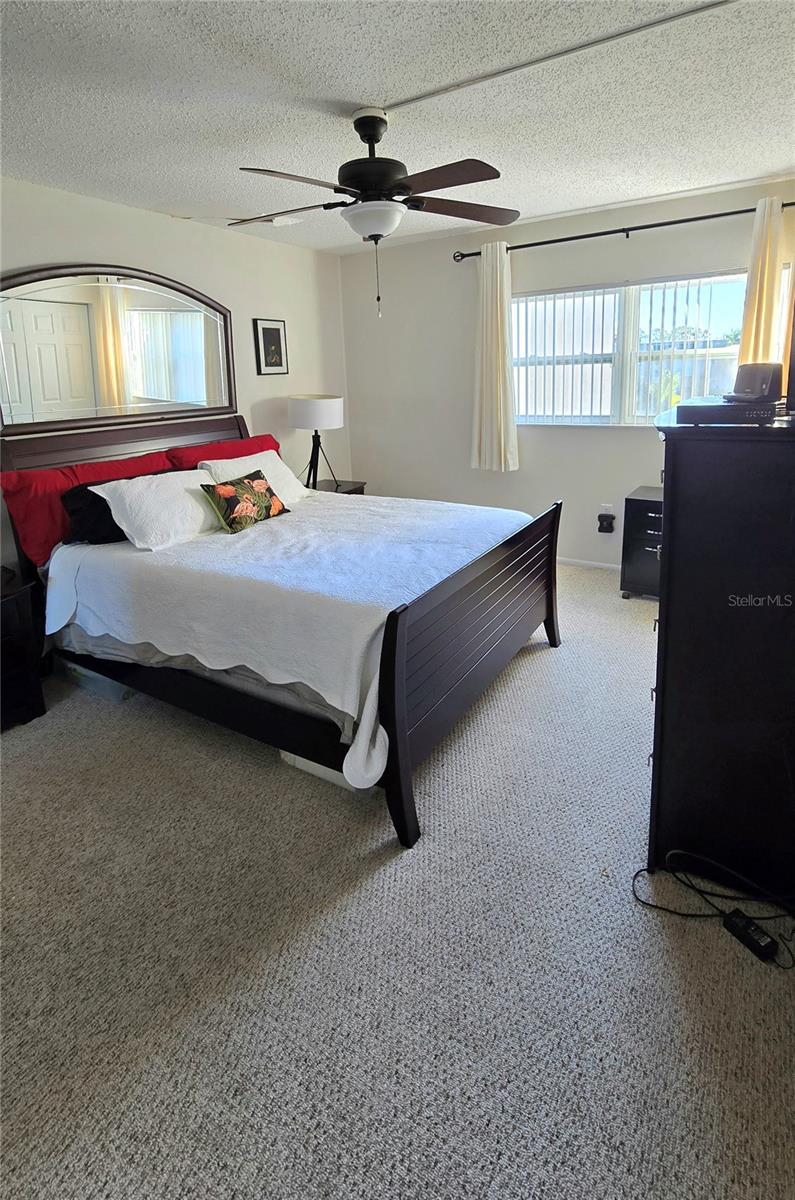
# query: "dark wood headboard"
[92,445]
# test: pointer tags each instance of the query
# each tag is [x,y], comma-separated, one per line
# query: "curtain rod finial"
[457,255]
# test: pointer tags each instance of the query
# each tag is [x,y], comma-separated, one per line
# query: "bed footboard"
[444,649]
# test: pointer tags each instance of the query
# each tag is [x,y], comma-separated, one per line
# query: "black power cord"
[787,939]
[746,929]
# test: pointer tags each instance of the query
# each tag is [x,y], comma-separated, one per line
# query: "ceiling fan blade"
[324,183]
[286,212]
[468,170]
[470,212]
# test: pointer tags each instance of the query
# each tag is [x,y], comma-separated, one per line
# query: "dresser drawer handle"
[656,516]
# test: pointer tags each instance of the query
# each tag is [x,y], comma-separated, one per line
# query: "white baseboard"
[582,562]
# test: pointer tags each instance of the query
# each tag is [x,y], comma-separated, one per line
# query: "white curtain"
[760,324]
[789,321]
[494,443]
[110,322]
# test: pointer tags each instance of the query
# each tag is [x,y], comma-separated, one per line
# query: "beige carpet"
[224,981]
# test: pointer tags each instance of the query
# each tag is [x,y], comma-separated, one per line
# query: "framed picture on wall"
[270,344]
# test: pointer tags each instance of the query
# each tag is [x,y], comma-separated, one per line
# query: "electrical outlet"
[606,518]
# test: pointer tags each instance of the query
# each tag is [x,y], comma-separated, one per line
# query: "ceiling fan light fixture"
[374,218]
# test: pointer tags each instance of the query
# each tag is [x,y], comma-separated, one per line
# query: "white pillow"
[156,511]
[287,487]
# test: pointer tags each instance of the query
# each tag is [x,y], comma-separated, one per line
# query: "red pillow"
[33,498]
[186,458]
[123,468]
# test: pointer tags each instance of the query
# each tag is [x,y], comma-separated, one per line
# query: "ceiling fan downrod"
[371,125]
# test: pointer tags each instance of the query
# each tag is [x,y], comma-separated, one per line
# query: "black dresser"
[723,782]
[640,552]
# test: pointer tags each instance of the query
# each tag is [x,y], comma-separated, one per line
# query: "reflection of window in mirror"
[98,346]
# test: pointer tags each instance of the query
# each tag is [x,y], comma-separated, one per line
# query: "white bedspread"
[302,598]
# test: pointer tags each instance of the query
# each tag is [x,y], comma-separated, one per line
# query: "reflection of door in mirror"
[49,370]
[96,346]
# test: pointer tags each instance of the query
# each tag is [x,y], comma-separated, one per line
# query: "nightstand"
[640,555]
[350,487]
[20,665]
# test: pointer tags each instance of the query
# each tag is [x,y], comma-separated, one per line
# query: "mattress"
[299,601]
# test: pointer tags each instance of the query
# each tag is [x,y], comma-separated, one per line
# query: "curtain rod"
[460,255]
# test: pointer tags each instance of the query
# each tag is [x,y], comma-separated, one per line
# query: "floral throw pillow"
[241,503]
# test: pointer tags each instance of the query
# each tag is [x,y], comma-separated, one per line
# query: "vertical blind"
[564,348]
[687,343]
[620,355]
[165,355]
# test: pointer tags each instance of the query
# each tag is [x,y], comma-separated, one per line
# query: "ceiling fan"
[380,191]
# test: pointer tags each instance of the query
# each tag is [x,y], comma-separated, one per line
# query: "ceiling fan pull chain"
[377,279]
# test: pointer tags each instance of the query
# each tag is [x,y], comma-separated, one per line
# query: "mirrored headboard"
[92,344]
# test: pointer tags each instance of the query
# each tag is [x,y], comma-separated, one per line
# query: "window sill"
[580,425]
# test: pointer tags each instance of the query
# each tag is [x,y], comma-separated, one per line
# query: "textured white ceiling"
[156,105]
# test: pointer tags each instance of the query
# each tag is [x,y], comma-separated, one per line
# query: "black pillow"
[90,517]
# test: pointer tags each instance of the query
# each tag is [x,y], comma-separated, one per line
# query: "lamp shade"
[313,411]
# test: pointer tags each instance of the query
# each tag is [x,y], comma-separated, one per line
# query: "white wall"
[251,277]
[410,374]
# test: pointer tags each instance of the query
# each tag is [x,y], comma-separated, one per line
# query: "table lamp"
[313,411]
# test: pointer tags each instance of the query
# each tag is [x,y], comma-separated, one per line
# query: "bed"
[435,651]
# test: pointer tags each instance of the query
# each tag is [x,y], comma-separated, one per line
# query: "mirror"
[92,345]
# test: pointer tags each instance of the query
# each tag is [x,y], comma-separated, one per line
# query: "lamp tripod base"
[314,463]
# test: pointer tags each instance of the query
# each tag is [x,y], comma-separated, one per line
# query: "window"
[165,355]
[687,342]
[566,356]
[620,355]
